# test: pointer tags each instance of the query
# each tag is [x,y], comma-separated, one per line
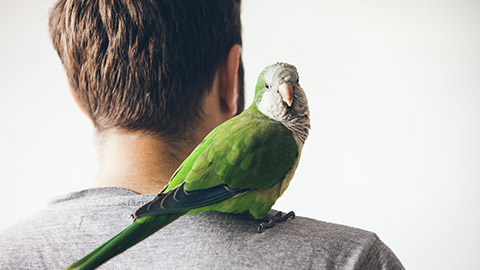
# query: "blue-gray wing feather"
[180,200]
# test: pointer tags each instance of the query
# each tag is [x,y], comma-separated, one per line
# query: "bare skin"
[144,163]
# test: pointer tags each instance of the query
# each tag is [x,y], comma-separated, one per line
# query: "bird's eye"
[267,86]
[297,80]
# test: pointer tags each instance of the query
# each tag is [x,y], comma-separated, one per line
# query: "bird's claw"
[270,221]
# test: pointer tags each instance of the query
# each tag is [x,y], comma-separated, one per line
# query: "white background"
[394,90]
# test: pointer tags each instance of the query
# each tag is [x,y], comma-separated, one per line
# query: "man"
[155,77]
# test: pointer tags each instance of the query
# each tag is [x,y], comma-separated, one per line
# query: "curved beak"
[286,91]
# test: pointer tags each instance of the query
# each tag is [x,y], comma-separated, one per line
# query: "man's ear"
[229,80]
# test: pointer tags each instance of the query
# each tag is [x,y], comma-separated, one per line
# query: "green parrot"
[242,166]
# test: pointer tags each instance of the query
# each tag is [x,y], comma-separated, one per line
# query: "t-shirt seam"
[76,205]
[371,244]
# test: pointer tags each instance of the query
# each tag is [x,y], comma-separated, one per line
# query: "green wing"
[249,151]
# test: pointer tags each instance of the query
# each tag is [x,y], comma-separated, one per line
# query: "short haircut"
[144,64]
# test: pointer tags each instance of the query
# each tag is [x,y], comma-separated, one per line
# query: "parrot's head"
[279,96]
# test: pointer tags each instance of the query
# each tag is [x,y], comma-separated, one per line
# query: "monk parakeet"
[243,165]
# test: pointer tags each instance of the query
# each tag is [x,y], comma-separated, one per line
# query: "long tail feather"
[139,230]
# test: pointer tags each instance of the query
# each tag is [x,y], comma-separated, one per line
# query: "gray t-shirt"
[74,224]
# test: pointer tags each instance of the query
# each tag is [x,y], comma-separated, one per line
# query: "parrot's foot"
[270,221]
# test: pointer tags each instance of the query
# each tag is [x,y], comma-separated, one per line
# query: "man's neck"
[138,162]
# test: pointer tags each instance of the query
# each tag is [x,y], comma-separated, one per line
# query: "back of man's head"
[144,64]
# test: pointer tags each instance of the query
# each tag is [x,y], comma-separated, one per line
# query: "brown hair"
[144,64]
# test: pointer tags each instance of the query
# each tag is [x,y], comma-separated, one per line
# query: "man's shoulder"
[65,228]
[326,235]
[301,243]
[333,245]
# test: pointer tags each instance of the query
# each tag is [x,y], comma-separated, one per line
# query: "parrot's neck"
[299,124]
[300,127]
